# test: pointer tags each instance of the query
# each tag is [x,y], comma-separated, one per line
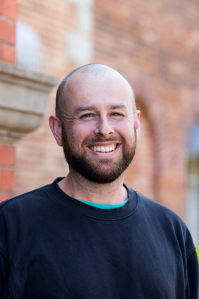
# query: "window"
[28,47]
[192,202]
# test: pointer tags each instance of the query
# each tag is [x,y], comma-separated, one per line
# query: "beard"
[92,171]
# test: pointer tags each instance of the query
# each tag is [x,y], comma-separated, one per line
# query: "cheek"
[82,131]
[125,129]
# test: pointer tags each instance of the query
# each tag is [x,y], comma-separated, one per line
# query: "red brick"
[7,179]
[157,43]
[5,195]
[7,155]
[7,54]
[7,32]
[8,8]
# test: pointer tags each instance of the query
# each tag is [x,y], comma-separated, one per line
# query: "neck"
[76,186]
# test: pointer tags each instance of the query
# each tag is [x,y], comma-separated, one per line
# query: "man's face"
[99,129]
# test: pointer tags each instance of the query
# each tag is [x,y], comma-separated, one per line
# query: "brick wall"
[155,45]
[39,160]
[7,171]
[143,162]
[8,15]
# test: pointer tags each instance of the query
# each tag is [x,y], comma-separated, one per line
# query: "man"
[87,235]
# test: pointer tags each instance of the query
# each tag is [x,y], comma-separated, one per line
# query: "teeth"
[103,149]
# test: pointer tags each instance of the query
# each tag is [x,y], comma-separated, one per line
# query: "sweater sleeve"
[192,291]
[4,262]
[4,273]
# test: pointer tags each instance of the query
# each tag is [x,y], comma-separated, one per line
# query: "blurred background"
[154,44]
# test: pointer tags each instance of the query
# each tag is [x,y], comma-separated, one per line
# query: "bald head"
[93,69]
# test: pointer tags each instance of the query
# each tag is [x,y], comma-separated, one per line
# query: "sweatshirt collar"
[77,206]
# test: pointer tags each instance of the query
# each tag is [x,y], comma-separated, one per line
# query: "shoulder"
[24,201]
[166,221]
[154,208]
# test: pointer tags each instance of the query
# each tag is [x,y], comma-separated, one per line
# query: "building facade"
[154,45]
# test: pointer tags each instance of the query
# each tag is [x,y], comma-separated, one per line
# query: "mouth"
[104,148]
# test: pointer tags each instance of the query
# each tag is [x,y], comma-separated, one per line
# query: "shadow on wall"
[28,47]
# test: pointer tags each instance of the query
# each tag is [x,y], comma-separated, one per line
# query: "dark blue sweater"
[52,246]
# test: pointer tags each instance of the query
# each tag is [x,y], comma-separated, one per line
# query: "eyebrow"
[84,108]
[93,107]
[121,106]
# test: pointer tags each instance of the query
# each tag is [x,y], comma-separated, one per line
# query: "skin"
[97,106]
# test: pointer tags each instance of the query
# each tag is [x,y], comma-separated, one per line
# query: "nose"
[103,127]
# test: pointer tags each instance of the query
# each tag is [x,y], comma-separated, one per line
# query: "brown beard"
[81,163]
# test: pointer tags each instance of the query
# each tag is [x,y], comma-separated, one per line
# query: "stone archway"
[150,99]
[140,174]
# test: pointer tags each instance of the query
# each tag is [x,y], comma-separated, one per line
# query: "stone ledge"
[24,96]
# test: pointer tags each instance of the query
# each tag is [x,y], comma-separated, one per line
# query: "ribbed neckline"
[111,214]
[103,206]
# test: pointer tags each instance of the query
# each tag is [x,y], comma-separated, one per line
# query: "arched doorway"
[140,174]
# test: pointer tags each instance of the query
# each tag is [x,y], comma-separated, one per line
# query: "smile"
[103,149]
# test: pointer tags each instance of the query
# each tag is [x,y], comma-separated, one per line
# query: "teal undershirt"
[102,206]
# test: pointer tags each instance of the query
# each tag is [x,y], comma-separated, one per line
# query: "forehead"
[102,91]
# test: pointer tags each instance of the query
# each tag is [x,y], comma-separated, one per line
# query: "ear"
[55,126]
[137,122]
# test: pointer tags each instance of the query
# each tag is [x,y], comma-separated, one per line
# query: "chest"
[96,261]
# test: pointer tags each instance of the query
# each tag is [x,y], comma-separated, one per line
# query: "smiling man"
[98,128]
[87,235]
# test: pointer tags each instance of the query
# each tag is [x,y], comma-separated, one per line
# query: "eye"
[117,114]
[87,115]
